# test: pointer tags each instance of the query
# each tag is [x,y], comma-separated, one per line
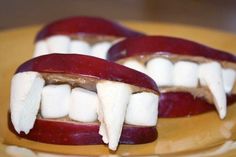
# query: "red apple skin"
[83,25]
[68,133]
[183,104]
[87,66]
[148,45]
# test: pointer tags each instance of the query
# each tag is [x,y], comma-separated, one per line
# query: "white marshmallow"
[161,71]
[58,44]
[26,88]
[55,101]
[133,64]
[228,78]
[83,105]
[114,98]
[79,47]
[142,109]
[100,49]
[41,48]
[211,75]
[185,74]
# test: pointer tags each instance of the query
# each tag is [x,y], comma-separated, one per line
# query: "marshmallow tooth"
[55,101]
[114,98]
[58,44]
[210,74]
[83,105]
[100,49]
[133,64]
[25,98]
[228,78]
[79,47]
[142,109]
[41,48]
[161,71]
[185,74]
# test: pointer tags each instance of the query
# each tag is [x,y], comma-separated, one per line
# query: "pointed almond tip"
[24,99]
[222,114]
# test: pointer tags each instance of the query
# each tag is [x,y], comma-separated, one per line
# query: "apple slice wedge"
[82,35]
[184,72]
[106,84]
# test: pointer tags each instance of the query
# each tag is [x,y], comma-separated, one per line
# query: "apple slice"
[90,33]
[64,133]
[174,64]
[164,45]
[90,78]
[85,24]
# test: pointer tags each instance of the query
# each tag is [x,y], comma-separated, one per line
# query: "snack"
[191,76]
[84,35]
[64,95]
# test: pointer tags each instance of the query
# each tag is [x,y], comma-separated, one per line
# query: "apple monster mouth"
[81,35]
[79,97]
[202,75]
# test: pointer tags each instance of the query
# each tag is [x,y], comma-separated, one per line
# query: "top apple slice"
[82,35]
[150,45]
[181,68]
[85,25]
[89,67]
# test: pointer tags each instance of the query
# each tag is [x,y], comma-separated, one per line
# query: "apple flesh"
[85,25]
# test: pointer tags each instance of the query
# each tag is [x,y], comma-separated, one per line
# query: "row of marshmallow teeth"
[113,104]
[64,44]
[187,74]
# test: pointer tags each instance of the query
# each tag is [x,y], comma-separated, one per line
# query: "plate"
[201,135]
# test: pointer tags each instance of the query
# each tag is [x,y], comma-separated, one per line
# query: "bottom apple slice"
[73,133]
[180,104]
